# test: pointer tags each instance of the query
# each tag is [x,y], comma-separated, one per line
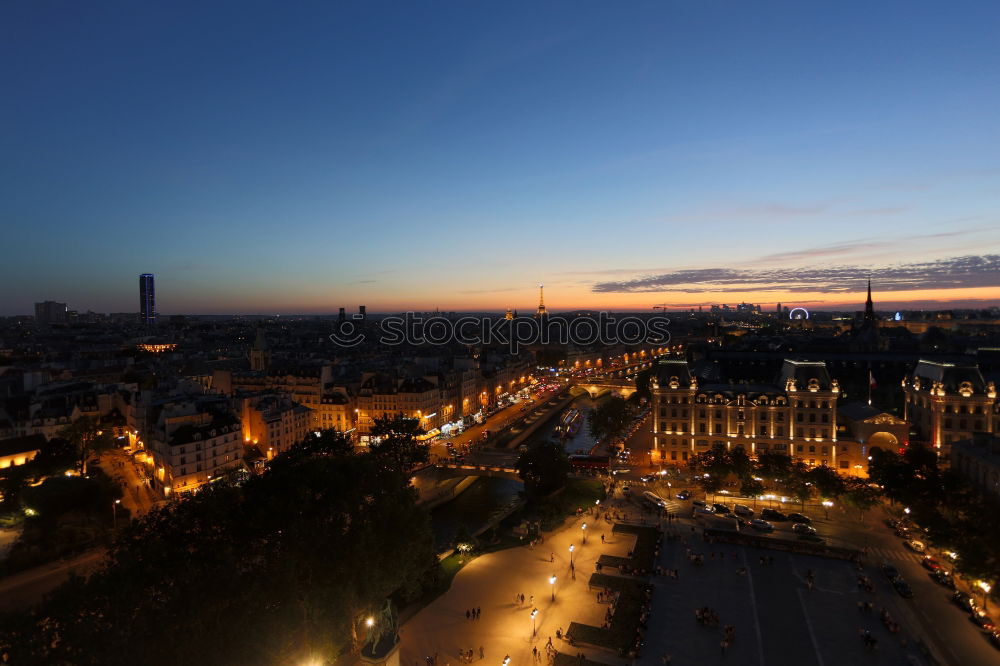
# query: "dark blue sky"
[296,157]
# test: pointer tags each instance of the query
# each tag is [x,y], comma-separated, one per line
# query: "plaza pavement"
[778,620]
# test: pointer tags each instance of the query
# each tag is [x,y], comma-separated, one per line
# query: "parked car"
[916,546]
[981,619]
[964,601]
[772,514]
[902,587]
[702,511]
[698,502]
[802,528]
[890,571]
[893,523]
[720,508]
[683,495]
[761,525]
[995,638]
[742,510]
[930,563]
[799,518]
[942,577]
[903,533]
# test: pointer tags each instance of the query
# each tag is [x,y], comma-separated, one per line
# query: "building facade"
[797,416]
[147,299]
[948,402]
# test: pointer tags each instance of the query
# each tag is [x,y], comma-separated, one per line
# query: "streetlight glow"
[552,584]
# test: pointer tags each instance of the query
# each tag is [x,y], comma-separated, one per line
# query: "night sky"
[297,157]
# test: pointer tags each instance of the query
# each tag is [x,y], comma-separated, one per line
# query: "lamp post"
[571,548]
[584,528]
[826,508]
[534,614]
[985,587]
[552,586]
[114,514]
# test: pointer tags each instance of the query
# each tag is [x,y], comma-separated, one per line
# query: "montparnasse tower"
[541,301]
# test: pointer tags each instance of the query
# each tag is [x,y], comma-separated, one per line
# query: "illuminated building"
[273,423]
[798,416]
[948,402]
[147,299]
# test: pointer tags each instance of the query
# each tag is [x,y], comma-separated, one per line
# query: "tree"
[752,488]
[544,469]
[827,482]
[87,438]
[773,466]
[295,558]
[861,495]
[395,443]
[610,418]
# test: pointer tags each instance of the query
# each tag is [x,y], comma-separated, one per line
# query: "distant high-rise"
[147,299]
[363,312]
[50,312]
[342,315]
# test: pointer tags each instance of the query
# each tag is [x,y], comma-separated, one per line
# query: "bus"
[590,462]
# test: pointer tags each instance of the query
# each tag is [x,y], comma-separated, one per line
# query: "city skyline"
[678,154]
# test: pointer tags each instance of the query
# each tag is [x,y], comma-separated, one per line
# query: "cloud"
[967,271]
[362,282]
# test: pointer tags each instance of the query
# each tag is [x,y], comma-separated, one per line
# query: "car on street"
[903,532]
[620,470]
[902,587]
[981,619]
[802,528]
[964,601]
[930,563]
[646,478]
[742,510]
[761,525]
[893,523]
[916,546]
[698,502]
[702,511]
[890,571]
[772,514]
[942,577]
[720,508]
[799,518]
[683,495]
[995,638]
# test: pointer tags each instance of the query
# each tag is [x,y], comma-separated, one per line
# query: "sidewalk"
[490,582]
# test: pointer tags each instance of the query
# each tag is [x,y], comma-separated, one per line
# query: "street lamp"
[534,614]
[552,586]
[584,528]
[571,547]
[826,507]
[114,513]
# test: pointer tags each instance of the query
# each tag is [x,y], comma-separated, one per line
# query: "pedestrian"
[552,557]
[534,653]
[468,614]
[482,652]
[602,538]
[531,600]
[478,610]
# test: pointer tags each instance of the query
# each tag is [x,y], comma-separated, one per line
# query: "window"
[701,427]
[798,417]
[800,432]
[763,431]
[812,418]
[843,464]
[780,431]
[673,455]
[824,418]
[799,448]
[684,455]
[812,449]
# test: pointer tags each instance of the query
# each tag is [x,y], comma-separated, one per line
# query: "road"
[28,587]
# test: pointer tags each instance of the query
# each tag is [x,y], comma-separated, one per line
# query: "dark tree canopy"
[273,571]
[543,468]
[395,443]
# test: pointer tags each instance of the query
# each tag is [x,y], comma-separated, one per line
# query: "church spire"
[869,306]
